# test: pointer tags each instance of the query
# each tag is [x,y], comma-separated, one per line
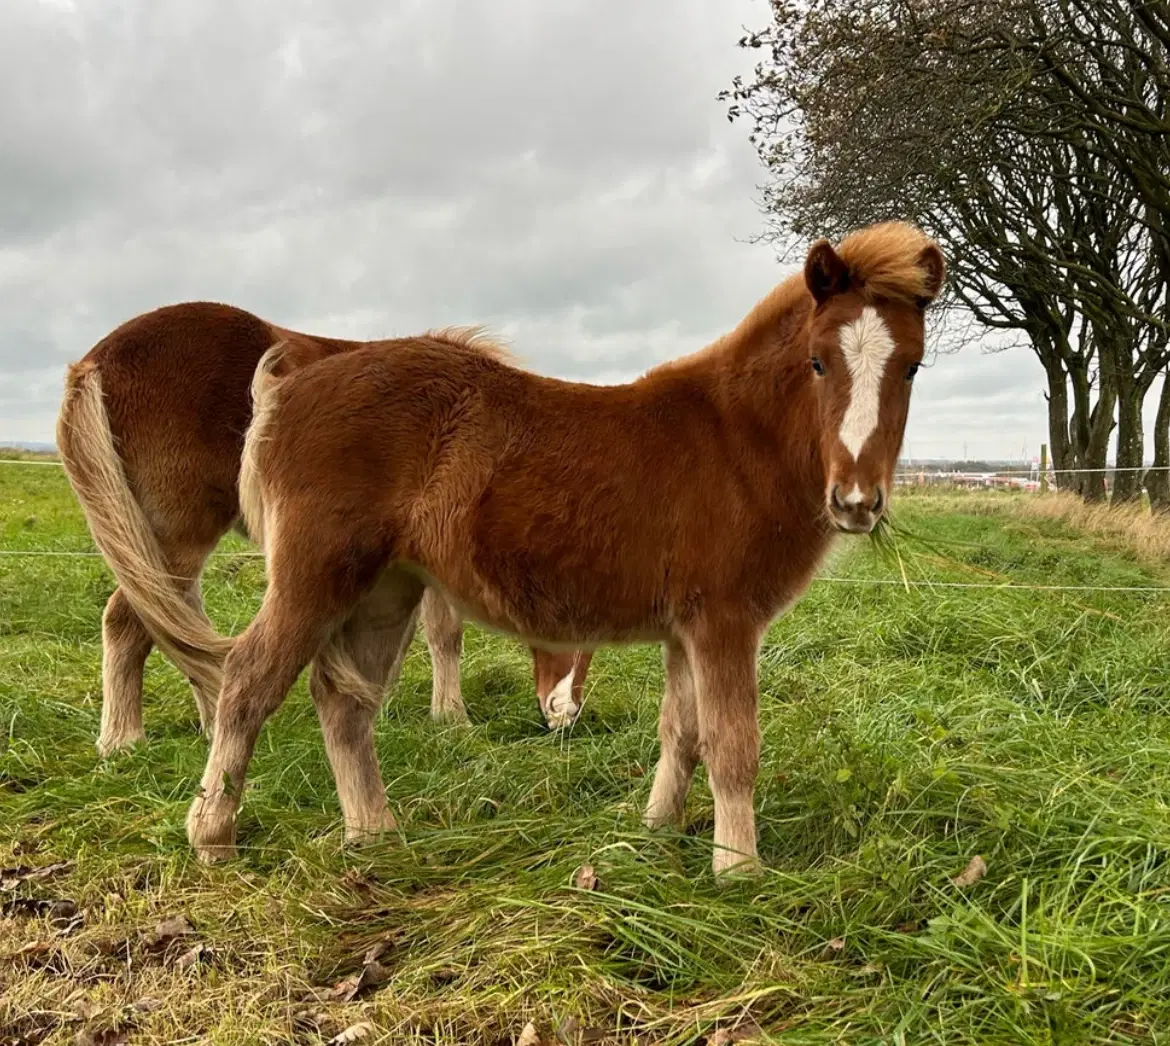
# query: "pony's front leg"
[723,661]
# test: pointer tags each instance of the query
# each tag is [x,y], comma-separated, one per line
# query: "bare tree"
[1030,137]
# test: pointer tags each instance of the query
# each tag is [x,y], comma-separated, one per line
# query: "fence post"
[1043,468]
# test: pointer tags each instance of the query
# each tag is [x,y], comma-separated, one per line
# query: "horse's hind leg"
[444,629]
[125,647]
[205,700]
[126,643]
[350,676]
[258,674]
[678,733]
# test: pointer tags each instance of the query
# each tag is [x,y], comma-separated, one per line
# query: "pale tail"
[126,539]
[263,384]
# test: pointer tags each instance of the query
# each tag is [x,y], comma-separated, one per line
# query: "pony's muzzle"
[856,511]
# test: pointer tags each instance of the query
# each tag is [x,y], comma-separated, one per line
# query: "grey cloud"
[561,172]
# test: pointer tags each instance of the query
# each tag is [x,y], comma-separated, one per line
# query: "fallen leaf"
[529,1036]
[356,880]
[570,1032]
[976,869]
[306,1017]
[103,1037]
[349,989]
[100,947]
[372,974]
[374,952]
[26,907]
[10,878]
[740,1033]
[160,938]
[354,1033]
[192,957]
[86,1010]
[834,947]
[586,878]
[65,917]
[34,954]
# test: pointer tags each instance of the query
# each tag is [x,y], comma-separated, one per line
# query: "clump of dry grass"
[1147,534]
[22,454]
[1131,528]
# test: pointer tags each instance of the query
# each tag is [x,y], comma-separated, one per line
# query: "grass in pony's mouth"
[904,733]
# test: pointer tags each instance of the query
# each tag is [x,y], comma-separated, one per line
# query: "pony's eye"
[911,371]
[817,366]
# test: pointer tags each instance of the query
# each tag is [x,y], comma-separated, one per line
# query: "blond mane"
[476,338]
[883,264]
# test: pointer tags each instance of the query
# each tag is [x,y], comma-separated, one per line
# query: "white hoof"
[560,710]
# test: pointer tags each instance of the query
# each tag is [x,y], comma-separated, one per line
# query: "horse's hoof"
[109,744]
[450,716]
[729,865]
[211,829]
[360,835]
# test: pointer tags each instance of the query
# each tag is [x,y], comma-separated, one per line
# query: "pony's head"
[865,344]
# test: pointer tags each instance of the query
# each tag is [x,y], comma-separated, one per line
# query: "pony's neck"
[765,387]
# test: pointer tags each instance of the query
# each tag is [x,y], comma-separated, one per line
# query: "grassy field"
[905,732]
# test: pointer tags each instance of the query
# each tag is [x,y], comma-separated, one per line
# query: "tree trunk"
[1063,454]
[1096,453]
[1127,480]
[1078,430]
[1158,478]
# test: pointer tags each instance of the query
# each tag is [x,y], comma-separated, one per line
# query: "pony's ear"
[934,270]
[824,272]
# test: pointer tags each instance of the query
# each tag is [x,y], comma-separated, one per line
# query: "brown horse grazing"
[151,432]
[688,507]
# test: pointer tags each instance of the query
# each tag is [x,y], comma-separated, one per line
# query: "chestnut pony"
[151,431]
[689,507]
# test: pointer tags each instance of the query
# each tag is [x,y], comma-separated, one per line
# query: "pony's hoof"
[215,854]
[562,712]
[450,716]
[360,835]
[211,829]
[729,865]
[108,744]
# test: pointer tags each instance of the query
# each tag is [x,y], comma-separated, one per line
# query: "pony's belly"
[543,625]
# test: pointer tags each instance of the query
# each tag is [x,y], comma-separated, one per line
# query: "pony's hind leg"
[678,734]
[258,674]
[205,699]
[444,630]
[350,676]
[723,662]
[126,643]
[125,647]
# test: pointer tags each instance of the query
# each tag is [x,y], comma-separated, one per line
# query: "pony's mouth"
[852,513]
[854,524]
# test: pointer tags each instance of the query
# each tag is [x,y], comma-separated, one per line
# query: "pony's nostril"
[835,499]
[878,501]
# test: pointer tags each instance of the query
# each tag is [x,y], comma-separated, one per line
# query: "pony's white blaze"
[867,346]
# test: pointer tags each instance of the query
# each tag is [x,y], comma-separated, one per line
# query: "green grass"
[904,732]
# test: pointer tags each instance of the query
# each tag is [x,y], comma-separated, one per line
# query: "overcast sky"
[368,168]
